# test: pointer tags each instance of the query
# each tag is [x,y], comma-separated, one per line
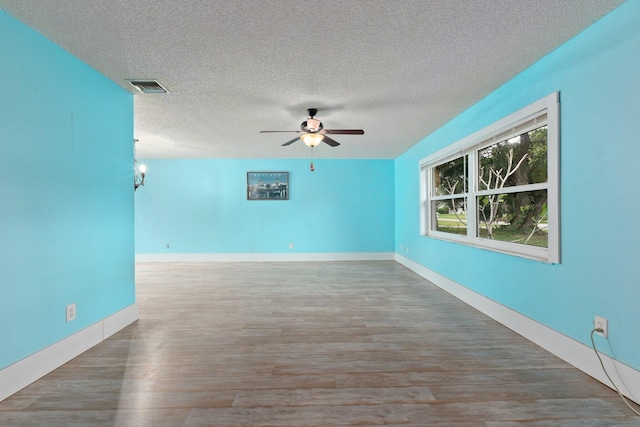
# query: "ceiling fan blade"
[292,141]
[273,131]
[331,142]
[345,131]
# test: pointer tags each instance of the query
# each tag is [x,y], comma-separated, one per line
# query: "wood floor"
[310,344]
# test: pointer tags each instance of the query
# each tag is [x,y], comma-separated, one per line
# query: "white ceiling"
[399,69]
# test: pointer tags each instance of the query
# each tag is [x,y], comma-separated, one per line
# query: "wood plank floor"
[310,344]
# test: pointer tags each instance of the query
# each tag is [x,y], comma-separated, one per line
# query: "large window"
[498,188]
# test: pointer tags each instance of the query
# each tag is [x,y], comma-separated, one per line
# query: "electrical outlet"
[601,323]
[168,246]
[71,312]
[290,246]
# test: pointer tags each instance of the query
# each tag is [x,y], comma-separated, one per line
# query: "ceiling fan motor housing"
[311,125]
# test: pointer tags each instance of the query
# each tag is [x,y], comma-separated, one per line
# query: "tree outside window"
[498,188]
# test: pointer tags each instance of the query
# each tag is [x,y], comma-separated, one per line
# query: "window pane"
[514,217]
[451,177]
[451,215]
[519,160]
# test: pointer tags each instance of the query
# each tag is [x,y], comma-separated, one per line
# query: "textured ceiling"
[397,69]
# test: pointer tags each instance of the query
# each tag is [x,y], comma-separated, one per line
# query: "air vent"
[148,86]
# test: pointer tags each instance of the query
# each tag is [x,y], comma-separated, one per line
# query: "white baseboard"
[574,352]
[17,376]
[268,257]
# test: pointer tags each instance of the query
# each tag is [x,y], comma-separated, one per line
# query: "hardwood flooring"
[310,344]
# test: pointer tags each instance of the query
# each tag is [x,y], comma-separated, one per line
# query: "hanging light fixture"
[139,171]
[312,139]
[138,176]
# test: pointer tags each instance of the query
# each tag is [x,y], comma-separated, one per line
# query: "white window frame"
[512,125]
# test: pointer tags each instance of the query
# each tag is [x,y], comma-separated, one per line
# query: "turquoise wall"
[201,206]
[66,199]
[66,217]
[598,76]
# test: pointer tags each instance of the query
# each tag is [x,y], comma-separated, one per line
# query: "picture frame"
[267,185]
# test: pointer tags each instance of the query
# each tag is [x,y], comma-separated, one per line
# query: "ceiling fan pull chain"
[311,165]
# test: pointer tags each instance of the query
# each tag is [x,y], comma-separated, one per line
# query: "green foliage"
[507,216]
[506,234]
[533,144]
[451,177]
[442,209]
[503,234]
[525,157]
[453,230]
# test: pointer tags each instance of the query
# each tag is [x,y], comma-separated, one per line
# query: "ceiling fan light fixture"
[312,139]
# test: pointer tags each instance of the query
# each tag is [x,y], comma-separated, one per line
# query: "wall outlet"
[601,323]
[168,246]
[290,245]
[71,312]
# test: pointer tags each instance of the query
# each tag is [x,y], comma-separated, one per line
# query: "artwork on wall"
[267,185]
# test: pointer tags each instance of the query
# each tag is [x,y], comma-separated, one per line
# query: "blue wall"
[201,206]
[66,217]
[598,76]
[66,199]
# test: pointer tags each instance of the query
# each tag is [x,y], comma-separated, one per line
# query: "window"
[498,188]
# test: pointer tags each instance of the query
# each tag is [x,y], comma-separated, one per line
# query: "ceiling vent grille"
[148,86]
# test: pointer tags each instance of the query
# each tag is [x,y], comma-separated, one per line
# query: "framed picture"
[267,185]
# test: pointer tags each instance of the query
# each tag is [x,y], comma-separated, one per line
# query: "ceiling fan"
[313,132]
